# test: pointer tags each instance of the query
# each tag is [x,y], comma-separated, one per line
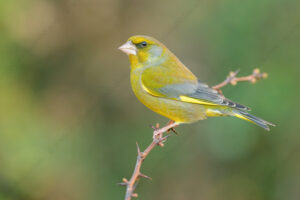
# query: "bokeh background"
[69,120]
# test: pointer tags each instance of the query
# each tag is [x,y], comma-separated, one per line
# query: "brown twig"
[233,80]
[158,140]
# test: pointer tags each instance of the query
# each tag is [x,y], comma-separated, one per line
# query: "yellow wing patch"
[244,118]
[148,91]
[214,113]
[182,98]
[196,101]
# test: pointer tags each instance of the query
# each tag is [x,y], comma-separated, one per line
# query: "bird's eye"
[142,44]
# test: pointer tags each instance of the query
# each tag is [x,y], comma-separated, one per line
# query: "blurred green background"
[69,120]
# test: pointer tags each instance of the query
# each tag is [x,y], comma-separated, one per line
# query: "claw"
[173,130]
[156,134]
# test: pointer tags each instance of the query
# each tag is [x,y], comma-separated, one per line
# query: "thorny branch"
[159,138]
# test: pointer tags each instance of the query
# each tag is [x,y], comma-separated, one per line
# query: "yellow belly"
[175,110]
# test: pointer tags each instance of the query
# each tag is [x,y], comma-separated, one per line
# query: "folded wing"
[162,82]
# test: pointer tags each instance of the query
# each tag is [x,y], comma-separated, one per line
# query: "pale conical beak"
[128,48]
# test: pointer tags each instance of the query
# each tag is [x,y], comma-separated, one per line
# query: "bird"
[166,86]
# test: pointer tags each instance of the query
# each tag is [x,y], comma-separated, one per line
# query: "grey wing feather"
[199,91]
[207,93]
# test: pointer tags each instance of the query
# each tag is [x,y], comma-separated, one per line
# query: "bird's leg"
[158,132]
[173,128]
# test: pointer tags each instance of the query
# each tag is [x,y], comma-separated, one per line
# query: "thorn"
[145,176]
[134,195]
[233,74]
[138,149]
[237,71]
[164,138]
[124,182]
[161,140]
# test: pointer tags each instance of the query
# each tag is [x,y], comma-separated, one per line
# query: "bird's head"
[143,49]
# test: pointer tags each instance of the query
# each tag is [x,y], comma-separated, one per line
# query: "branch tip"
[233,80]
[265,75]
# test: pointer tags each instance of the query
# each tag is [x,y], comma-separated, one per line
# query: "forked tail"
[251,118]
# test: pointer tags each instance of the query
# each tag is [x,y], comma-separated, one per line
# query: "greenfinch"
[166,86]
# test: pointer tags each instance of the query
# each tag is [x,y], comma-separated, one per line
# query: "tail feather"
[253,119]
